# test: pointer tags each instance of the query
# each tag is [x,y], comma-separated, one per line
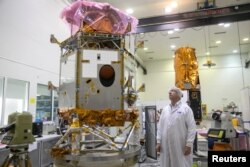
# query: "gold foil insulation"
[59,152]
[106,117]
[186,68]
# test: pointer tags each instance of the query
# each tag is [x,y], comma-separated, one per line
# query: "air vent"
[174,37]
[218,33]
[150,52]
[213,46]
[209,64]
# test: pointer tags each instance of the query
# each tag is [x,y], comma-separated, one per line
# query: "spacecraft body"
[97,129]
[101,131]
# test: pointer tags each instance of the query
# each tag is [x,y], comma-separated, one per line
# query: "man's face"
[173,95]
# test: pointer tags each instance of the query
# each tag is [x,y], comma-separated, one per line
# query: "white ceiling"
[149,8]
[158,43]
[203,39]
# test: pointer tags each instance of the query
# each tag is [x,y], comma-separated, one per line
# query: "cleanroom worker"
[176,133]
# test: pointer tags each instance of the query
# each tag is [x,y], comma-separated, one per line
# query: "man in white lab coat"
[176,132]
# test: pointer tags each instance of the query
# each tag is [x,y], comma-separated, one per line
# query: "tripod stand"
[18,156]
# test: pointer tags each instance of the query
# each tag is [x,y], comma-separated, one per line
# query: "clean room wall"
[220,84]
[26,51]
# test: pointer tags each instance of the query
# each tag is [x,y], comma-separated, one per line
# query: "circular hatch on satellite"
[107,75]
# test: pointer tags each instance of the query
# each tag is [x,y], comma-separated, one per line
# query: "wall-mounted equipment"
[209,64]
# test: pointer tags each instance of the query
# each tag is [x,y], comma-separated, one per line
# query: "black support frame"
[195,18]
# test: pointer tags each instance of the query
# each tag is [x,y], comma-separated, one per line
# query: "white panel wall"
[246,71]
[159,79]
[26,53]
[245,98]
[219,85]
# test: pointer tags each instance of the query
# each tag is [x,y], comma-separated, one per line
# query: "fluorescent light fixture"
[170,32]
[207,53]
[174,4]
[176,29]
[245,39]
[221,24]
[130,11]
[235,51]
[227,25]
[172,46]
[168,9]
[145,48]
[218,42]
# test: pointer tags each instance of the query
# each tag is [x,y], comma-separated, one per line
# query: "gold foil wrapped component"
[106,117]
[186,68]
[132,116]
[101,17]
[131,96]
[87,28]
[59,152]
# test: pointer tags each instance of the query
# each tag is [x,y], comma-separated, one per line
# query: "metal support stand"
[18,157]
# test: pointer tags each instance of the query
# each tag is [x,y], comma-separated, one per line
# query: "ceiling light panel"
[245,39]
[130,11]
[218,42]
[170,32]
[174,4]
[168,9]
[172,46]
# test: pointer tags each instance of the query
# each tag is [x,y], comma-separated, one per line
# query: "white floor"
[149,163]
[155,163]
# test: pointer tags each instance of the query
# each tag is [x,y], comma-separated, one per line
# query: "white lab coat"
[177,129]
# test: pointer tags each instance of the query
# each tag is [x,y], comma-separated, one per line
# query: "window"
[16,97]
[47,103]
[1,97]
[44,103]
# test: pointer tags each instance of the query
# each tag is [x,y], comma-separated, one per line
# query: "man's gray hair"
[177,90]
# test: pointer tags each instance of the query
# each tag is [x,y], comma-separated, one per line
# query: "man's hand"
[187,150]
[158,147]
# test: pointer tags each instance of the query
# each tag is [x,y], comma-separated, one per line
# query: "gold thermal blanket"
[106,117]
[186,68]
